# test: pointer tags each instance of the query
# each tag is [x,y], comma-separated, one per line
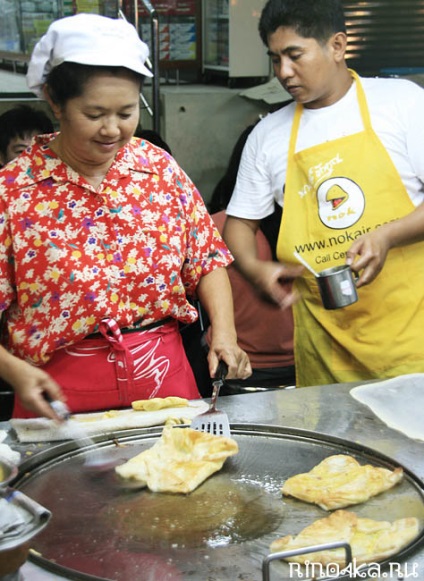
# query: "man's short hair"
[318,19]
[19,122]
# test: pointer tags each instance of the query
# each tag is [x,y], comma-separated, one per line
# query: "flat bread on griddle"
[179,461]
[370,540]
[340,481]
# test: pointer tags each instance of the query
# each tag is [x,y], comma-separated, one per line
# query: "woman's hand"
[32,385]
[226,349]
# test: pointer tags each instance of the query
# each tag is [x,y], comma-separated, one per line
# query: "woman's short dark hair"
[318,19]
[68,80]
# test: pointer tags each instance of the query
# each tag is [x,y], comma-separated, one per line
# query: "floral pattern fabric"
[71,255]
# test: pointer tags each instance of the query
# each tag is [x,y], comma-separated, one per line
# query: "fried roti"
[340,481]
[179,461]
[158,403]
[370,540]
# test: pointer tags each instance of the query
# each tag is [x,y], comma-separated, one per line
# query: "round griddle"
[221,531]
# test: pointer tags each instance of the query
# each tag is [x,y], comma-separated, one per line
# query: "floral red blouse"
[71,255]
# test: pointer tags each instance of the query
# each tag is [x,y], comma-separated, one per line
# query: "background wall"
[201,124]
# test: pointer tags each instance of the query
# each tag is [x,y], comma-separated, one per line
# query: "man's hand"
[272,279]
[368,254]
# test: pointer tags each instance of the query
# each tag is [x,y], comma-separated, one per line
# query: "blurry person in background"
[154,137]
[18,126]
[104,238]
[264,330]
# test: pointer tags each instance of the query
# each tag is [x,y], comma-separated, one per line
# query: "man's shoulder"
[274,125]
[391,88]
[276,119]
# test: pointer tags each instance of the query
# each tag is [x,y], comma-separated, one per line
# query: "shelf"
[226,25]
[223,68]
[218,17]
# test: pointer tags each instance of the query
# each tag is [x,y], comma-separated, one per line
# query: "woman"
[103,239]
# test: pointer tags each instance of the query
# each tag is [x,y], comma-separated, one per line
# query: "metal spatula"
[214,421]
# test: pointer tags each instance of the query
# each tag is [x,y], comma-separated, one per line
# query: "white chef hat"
[87,39]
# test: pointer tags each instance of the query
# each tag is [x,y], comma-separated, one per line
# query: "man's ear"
[53,106]
[338,43]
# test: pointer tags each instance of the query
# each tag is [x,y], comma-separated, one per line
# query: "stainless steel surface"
[324,409]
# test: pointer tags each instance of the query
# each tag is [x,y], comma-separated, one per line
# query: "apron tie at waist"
[110,330]
[124,361]
[136,327]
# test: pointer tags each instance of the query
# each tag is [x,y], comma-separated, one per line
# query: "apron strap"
[124,361]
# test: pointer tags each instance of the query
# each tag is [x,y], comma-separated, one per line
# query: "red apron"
[113,369]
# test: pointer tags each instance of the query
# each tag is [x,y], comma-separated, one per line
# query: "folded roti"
[179,461]
[158,403]
[370,540]
[340,481]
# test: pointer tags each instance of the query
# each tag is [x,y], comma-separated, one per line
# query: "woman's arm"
[214,292]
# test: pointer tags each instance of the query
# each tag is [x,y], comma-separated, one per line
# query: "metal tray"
[220,532]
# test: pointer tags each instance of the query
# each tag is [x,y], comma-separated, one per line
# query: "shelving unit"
[23,22]
[231,42]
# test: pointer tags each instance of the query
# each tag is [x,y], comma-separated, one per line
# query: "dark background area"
[386,34]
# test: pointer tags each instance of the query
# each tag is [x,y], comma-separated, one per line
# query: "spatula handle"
[222,370]
[217,382]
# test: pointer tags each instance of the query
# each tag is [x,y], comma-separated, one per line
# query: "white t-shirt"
[396,109]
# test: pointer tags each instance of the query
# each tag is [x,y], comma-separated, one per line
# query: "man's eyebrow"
[285,51]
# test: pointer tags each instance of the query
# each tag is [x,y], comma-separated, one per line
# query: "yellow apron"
[334,193]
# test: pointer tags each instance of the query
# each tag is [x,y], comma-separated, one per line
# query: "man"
[17,128]
[345,161]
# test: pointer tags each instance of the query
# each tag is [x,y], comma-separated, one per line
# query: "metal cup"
[337,287]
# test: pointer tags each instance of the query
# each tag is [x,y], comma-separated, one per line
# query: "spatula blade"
[214,421]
